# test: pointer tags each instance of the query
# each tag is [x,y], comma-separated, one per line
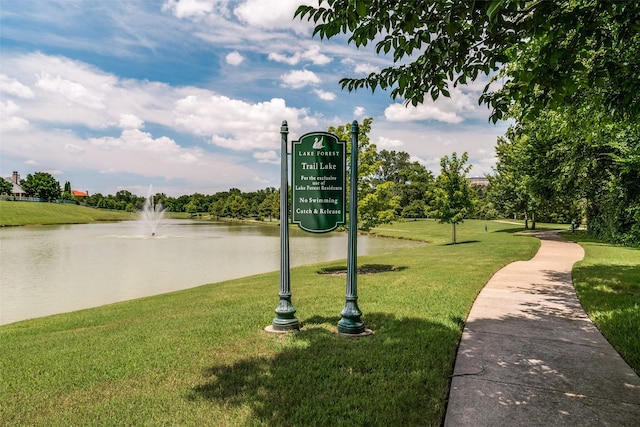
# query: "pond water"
[55,269]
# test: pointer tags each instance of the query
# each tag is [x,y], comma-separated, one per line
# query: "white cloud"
[13,87]
[73,148]
[312,55]
[72,91]
[326,96]
[234,58]
[136,140]
[130,104]
[188,158]
[366,68]
[9,121]
[271,15]
[402,113]
[385,143]
[130,121]
[267,157]
[291,60]
[455,109]
[144,129]
[431,142]
[261,181]
[298,79]
[68,92]
[233,123]
[189,8]
[361,64]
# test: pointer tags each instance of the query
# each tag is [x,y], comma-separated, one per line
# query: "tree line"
[392,187]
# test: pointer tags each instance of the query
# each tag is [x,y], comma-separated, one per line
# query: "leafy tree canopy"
[452,195]
[5,186]
[42,185]
[542,52]
[571,159]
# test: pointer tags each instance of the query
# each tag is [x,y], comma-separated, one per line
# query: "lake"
[55,269]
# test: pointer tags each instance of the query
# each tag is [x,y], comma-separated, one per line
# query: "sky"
[188,96]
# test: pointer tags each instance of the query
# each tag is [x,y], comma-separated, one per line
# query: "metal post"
[350,323]
[285,319]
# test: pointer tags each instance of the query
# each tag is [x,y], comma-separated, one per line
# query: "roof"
[16,190]
[79,193]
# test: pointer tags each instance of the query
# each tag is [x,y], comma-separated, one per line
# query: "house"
[76,193]
[16,191]
[478,180]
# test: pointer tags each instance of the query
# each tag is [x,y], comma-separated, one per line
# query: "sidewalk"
[530,356]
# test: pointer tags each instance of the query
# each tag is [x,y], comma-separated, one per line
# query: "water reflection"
[55,269]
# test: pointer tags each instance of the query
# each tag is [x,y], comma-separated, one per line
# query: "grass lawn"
[30,213]
[201,357]
[607,282]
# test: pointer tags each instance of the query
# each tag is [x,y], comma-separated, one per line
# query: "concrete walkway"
[530,356]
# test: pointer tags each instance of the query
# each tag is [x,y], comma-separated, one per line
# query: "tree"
[378,207]
[5,187]
[42,185]
[414,185]
[217,208]
[191,208]
[452,195]
[509,190]
[270,206]
[67,191]
[573,159]
[235,207]
[483,207]
[543,52]
[415,209]
[368,160]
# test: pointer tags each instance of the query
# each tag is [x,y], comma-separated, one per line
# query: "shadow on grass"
[523,230]
[363,269]
[461,243]
[397,376]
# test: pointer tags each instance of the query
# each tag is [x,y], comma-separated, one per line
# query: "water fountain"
[152,214]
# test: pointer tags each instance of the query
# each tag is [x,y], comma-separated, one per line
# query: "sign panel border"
[294,171]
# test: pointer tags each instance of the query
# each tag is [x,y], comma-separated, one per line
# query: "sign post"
[285,319]
[318,206]
[350,323]
[318,192]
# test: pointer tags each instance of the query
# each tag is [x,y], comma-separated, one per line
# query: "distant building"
[77,193]
[478,180]
[16,191]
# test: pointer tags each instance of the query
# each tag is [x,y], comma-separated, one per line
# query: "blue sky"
[188,95]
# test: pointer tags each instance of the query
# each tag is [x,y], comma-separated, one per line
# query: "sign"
[318,188]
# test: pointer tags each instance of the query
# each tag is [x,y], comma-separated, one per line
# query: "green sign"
[318,192]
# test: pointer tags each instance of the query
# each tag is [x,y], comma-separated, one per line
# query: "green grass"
[31,213]
[201,357]
[607,282]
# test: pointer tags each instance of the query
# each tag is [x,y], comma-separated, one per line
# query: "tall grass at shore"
[201,356]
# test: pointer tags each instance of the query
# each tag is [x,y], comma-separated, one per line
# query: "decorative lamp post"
[350,323]
[285,319]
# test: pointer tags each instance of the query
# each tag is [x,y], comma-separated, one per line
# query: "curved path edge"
[530,356]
